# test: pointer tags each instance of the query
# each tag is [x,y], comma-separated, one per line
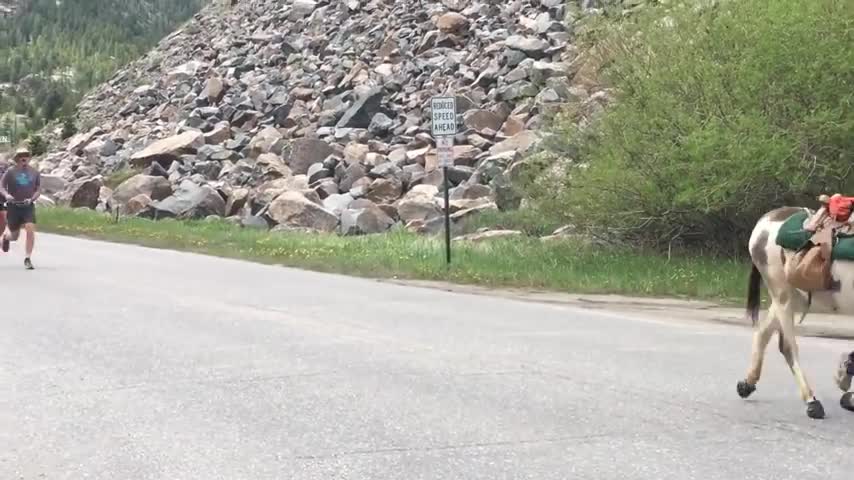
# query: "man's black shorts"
[18,215]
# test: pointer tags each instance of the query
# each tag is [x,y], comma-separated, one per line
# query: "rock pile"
[314,114]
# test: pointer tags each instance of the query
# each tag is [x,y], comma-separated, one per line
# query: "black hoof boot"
[815,410]
[745,389]
[847,401]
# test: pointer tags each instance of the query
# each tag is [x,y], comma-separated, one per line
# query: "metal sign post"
[444,126]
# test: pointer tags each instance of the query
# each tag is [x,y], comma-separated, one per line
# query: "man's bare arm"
[3,186]
[38,191]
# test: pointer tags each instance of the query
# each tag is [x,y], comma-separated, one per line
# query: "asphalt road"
[118,362]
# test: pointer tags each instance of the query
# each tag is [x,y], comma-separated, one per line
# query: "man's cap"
[21,152]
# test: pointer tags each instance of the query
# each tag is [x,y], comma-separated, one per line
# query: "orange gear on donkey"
[835,212]
[839,207]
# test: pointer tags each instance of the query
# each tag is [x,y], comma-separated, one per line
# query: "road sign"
[445,150]
[8,130]
[443,111]
[444,116]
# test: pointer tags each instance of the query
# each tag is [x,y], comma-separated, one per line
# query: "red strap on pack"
[839,207]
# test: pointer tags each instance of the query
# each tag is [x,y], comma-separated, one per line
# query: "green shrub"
[69,129]
[719,114]
[37,145]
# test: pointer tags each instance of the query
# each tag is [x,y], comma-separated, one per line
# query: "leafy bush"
[69,129]
[37,145]
[720,114]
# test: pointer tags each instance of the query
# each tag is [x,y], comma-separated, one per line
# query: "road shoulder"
[814,325]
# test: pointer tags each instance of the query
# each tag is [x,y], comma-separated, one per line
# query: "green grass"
[528,222]
[524,263]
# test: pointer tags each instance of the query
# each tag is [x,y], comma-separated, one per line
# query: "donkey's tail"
[753,294]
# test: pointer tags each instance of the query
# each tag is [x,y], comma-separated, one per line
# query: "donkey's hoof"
[815,410]
[847,401]
[745,389]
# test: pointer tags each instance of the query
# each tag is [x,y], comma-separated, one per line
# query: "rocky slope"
[314,114]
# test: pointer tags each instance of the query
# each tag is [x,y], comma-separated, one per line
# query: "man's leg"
[10,234]
[29,222]
[4,245]
[13,228]
[13,225]
[30,228]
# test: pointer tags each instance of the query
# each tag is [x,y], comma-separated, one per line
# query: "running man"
[21,185]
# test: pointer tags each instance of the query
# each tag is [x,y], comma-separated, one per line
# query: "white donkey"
[769,261]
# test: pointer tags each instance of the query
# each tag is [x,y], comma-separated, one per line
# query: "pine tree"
[68,127]
[90,38]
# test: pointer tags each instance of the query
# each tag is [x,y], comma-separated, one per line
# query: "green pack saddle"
[792,236]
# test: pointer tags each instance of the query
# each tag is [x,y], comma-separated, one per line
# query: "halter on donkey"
[806,260]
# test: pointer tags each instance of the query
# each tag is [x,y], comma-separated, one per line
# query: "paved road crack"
[459,446]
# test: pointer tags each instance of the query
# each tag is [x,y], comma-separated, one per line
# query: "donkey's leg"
[843,380]
[789,349]
[761,336]
[844,371]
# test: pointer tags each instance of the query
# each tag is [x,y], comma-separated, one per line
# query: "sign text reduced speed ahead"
[444,113]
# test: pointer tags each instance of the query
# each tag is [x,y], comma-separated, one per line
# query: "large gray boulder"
[419,204]
[83,193]
[363,110]
[169,149]
[190,201]
[53,184]
[153,186]
[306,152]
[364,217]
[295,210]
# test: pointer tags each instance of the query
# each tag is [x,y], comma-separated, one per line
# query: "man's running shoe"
[5,244]
[28,264]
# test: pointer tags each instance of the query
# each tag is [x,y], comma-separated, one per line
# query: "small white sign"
[4,139]
[444,116]
[445,151]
